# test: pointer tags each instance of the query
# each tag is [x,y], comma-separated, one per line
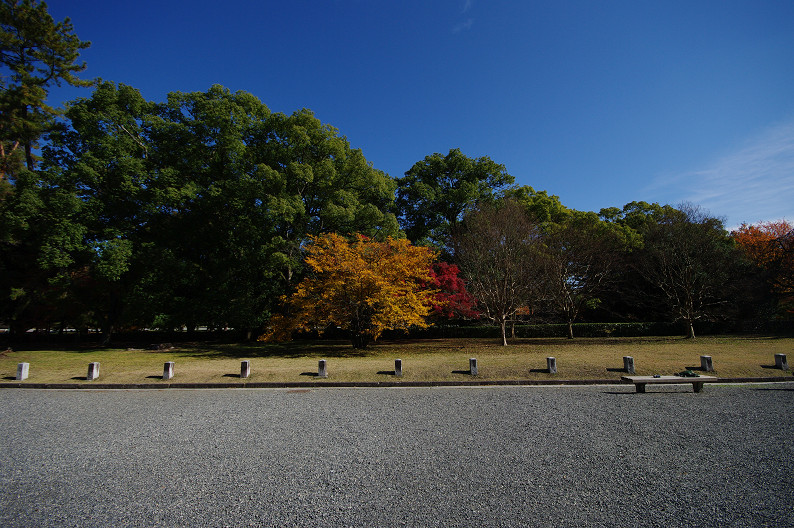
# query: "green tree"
[583,257]
[317,183]
[195,210]
[543,208]
[103,159]
[37,53]
[690,262]
[263,183]
[435,193]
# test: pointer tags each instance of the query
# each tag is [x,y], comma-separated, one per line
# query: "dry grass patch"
[423,360]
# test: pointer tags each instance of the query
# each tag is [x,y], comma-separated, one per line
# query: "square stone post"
[706,364]
[93,371]
[398,367]
[551,364]
[168,370]
[245,369]
[628,364]
[473,366]
[780,361]
[322,369]
[23,369]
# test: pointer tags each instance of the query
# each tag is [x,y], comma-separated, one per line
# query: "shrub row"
[643,329]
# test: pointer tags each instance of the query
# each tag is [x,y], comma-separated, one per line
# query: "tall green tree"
[195,210]
[36,53]
[583,258]
[264,182]
[691,264]
[317,184]
[542,207]
[435,193]
[103,159]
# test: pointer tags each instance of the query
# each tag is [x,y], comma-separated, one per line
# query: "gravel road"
[496,456]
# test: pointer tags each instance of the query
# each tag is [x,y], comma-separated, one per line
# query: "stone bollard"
[245,369]
[93,371]
[706,364]
[23,369]
[322,369]
[473,366]
[168,370]
[780,361]
[628,364]
[551,364]
[398,368]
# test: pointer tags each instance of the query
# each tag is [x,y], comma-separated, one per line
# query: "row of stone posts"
[706,364]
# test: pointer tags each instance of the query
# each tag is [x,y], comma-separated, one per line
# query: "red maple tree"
[452,300]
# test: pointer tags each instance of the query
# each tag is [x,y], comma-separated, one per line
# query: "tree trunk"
[690,329]
[360,340]
[107,332]
[570,329]
[504,331]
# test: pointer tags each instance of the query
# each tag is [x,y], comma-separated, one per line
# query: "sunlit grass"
[423,360]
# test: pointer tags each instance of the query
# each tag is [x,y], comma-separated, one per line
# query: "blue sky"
[598,102]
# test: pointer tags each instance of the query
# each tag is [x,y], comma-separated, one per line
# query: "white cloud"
[466,24]
[754,183]
[463,26]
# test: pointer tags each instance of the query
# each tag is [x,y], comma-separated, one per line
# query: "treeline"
[122,213]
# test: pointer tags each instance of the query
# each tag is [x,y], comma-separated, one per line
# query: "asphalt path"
[484,456]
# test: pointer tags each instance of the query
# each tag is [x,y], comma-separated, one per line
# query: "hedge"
[645,329]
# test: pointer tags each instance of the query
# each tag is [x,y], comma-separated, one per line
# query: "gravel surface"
[496,456]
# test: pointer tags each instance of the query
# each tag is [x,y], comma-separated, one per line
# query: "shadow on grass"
[541,371]
[387,372]
[289,350]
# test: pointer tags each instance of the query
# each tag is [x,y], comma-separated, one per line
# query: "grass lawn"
[423,360]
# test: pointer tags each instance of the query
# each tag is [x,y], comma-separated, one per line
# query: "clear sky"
[600,102]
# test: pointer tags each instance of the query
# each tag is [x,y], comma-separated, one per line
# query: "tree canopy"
[687,259]
[499,248]
[435,193]
[38,53]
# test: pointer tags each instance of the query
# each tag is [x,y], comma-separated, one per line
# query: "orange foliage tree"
[362,286]
[770,245]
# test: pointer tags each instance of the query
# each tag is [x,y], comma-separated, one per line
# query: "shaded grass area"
[423,360]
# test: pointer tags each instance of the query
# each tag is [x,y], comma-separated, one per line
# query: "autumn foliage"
[770,245]
[451,300]
[362,286]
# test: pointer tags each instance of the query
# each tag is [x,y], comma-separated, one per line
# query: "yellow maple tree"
[361,285]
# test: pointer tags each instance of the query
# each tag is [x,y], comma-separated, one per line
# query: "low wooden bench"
[641,381]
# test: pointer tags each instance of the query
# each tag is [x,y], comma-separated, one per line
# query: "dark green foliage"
[435,193]
[38,53]
[690,263]
[585,330]
[191,212]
